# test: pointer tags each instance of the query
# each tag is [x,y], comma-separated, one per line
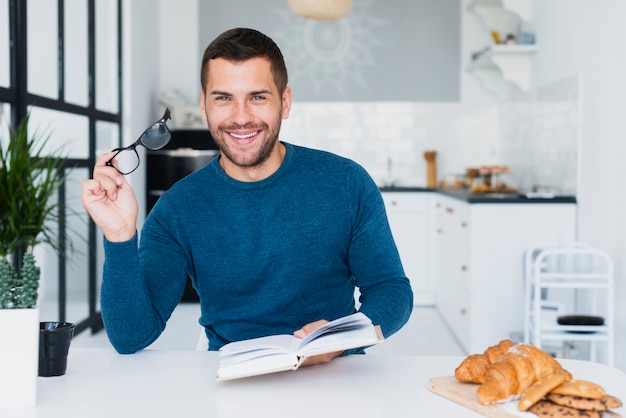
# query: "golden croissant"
[518,369]
[474,368]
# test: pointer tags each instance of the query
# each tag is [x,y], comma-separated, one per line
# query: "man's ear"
[286,102]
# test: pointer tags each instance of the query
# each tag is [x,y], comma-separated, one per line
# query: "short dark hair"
[242,44]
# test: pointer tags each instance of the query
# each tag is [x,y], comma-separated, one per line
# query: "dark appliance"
[187,151]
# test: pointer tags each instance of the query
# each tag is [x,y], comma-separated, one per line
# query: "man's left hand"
[322,358]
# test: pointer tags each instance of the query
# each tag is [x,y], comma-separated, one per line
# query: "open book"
[277,353]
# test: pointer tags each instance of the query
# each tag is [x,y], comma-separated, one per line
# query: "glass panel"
[42,55]
[106,56]
[107,137]
[77,308]
[76,52]
[47,260]
[78,265]
[66,130]
[5,122]
[5,73]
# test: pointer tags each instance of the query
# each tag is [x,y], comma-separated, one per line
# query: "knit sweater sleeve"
[135,311]
[385,291]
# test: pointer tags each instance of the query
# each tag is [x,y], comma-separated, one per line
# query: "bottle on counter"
[431,169]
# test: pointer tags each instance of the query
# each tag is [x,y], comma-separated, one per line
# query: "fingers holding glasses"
[107,176]
[110,201]
[124,162]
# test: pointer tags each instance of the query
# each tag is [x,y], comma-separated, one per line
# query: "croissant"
[474,367]
[519,368]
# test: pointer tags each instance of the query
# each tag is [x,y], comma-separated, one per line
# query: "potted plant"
[29,179]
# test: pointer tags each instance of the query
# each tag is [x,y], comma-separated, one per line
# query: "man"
[275,237]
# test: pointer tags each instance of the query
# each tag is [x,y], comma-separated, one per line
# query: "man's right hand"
[110,201]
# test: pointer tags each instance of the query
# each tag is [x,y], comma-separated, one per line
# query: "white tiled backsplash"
[537,137]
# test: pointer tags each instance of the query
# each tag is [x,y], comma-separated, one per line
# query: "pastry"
[539,389]
[518,369]
[474,367]
[604,404]
[581,388]
[547,409]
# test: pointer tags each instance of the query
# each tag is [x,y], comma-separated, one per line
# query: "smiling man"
[275,237]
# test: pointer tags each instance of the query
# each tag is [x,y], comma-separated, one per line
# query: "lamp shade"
[321,9]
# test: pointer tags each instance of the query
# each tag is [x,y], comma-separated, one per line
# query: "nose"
[242,113]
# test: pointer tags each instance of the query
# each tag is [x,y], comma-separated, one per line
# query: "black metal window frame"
[18,97]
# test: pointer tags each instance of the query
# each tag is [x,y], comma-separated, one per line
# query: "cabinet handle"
[439,231]
[463,224]
[463,311]
[394,203]
[449,210]
[463,267]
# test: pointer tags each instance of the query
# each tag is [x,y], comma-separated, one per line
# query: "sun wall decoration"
[327,43]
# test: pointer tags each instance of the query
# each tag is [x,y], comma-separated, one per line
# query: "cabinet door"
[452,275]
[409,219]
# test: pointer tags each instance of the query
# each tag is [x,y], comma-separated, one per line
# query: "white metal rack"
[585,276]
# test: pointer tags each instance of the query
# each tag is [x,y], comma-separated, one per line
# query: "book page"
[340,341]
[350,331]
[246,350]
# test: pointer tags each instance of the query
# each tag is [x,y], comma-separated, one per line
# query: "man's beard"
[262,153]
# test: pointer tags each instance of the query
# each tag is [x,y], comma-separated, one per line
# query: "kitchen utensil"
[431,169]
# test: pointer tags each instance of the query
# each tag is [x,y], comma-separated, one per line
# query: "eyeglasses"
[155,137]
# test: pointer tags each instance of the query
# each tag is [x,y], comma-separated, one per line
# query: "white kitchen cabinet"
[409,215]
[478,263]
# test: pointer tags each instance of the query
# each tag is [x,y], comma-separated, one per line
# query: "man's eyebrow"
[252,93]
[220,93]
[257,92]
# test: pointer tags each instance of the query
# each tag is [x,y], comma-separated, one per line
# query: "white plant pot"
[19,357]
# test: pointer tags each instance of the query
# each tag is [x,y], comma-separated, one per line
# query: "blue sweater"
[265,257]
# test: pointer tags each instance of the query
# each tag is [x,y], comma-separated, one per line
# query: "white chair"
[530,259]
[582,273]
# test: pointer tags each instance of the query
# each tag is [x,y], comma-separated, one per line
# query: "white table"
[159,383]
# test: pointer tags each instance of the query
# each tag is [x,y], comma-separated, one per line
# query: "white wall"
[579,36]
[178,39]
[142,49]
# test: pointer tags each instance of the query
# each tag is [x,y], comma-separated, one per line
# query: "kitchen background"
[405,83]
[390,81]
[537,138]
[565,130]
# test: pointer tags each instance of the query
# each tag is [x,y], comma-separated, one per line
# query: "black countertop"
[498,198]
[470,197]
[405,189]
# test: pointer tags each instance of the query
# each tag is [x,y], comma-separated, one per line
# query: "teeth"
[243,136]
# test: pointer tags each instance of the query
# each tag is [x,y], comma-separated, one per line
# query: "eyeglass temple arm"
[166,116]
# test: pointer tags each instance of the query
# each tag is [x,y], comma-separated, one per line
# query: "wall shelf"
[494,12]
[503,69]
[498,65]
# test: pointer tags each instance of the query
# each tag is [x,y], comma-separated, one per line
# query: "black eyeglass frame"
[161,123]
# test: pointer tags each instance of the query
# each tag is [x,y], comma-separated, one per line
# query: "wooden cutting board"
[465,394]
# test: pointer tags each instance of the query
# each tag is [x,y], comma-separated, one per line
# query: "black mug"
[54,344]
